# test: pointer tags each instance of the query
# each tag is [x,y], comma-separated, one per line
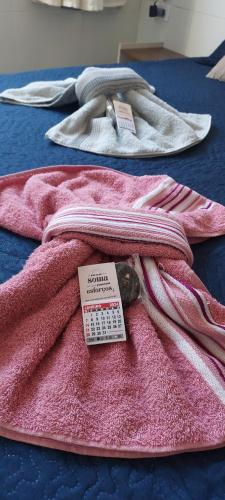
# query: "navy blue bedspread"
[31,472]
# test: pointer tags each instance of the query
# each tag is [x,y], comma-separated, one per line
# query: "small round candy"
[129,283]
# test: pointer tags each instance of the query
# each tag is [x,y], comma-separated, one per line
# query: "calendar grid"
[103,322]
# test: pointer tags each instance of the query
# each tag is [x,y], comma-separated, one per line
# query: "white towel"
[160,128]
[42,94]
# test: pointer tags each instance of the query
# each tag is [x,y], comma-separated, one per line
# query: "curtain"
[88,5]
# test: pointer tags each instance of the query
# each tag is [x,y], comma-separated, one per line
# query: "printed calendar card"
[101,304]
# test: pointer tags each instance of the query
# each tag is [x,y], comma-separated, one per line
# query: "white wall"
[195,27]
[36,36]
[150,30]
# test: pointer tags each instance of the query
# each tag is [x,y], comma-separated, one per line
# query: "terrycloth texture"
[43,94]
[185,475]
[160,128]
[94,82]
[159,392]
[127,226]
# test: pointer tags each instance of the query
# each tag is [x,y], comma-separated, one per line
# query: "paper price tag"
[124,116]
[101,304]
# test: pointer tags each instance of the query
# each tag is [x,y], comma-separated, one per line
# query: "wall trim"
[136,45]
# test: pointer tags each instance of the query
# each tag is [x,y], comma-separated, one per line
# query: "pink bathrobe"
[160,392]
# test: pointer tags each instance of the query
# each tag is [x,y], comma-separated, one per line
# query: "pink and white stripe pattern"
[179,310]
[182,314]
[173,197]
[120,224]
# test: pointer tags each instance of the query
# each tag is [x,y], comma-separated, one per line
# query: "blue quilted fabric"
[31,472]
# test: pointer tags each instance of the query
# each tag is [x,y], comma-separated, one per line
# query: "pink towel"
[160,392]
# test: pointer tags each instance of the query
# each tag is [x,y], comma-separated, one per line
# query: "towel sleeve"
[16,214]
[201,217]
[28,198]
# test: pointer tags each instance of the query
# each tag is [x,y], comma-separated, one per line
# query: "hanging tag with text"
[101,304]
[124,116]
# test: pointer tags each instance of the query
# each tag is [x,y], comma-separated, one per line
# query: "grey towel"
[160,128]
[42,94]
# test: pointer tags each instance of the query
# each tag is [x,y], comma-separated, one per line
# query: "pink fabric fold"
[160,392]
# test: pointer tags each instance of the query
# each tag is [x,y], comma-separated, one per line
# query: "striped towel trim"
[173,197]
[182,314]
[96,81]
[121,225]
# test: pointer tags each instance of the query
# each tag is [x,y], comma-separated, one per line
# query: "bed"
[27,471]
